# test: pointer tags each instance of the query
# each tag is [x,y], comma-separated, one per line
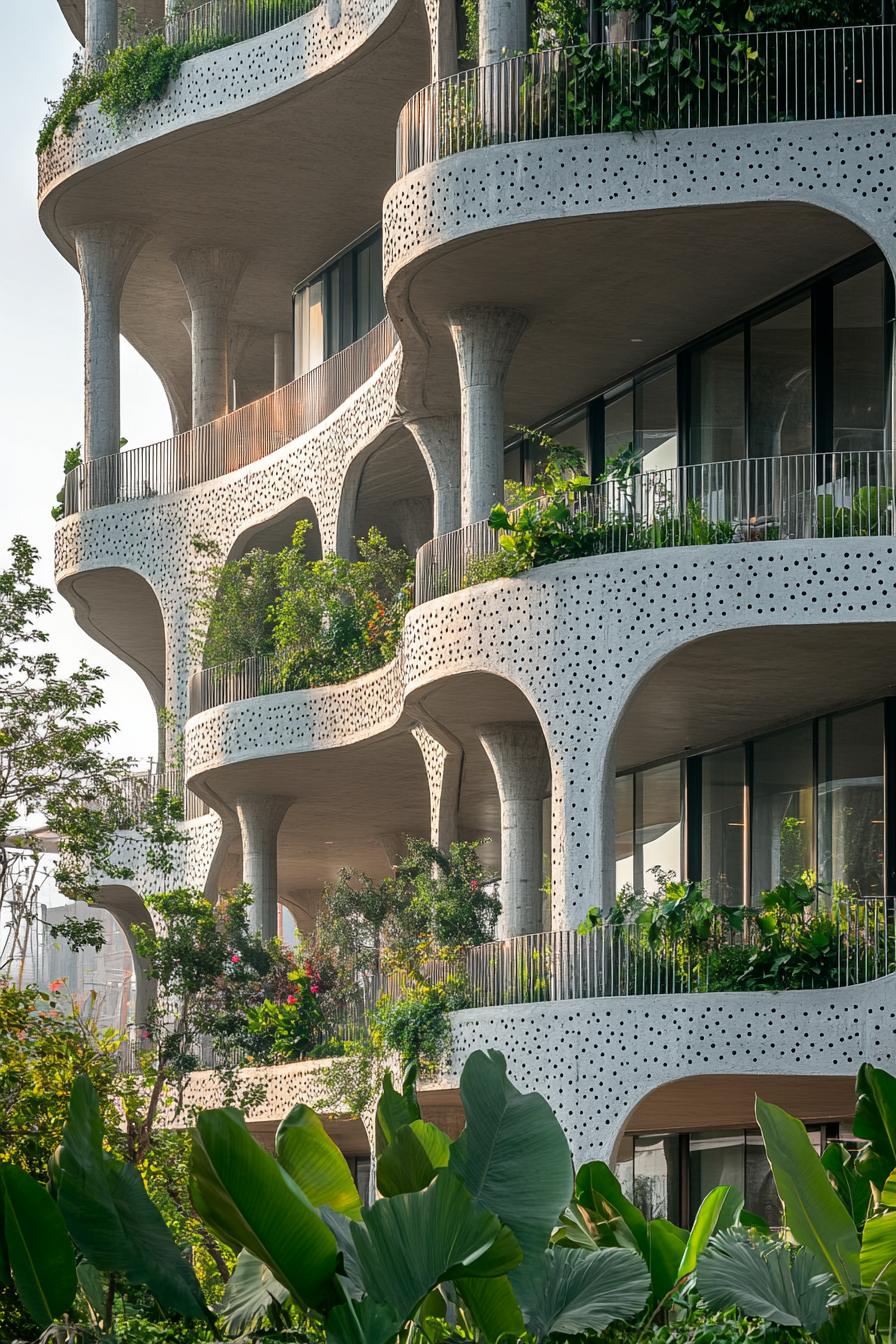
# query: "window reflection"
[859,412]
[781,382]
[656,420]
[714,1159]
[723,833]
[657,822]
[619,424]
[783,798]
[851,801]
[717,394]
[340,305]
[657,1177]
[625,831]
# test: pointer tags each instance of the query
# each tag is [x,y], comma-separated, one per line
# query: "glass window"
[513,463]
[713,1159]
[717,394]
[657,1179]
[657,822]
[851,801]
[859,362]
[783,807]
[781,382]
[625,1165]
[723,833]
[625,834]
[656,420]
[619,424]
[760,1195]
[309,326]
[370,305]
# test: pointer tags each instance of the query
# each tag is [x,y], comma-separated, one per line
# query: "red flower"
[235,958]
[315,989]
[474,885]
[55,985]
[290,998]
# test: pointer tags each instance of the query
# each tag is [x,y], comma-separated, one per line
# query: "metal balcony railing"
[798,497]
[237,19]
[712,81]
[247,678]
[142,787]
[611,962]
[246,435]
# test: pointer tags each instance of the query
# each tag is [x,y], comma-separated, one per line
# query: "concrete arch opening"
[128,909]
[750,756]
[276,532]
[387,487]
[685,1137]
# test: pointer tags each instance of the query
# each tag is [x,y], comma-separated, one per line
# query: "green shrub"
[133,75]
[416,1027]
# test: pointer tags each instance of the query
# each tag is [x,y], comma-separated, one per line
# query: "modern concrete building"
[350,341]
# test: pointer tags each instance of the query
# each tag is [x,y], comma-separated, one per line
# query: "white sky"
[41,355]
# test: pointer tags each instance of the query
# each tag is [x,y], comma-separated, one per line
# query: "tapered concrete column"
[438,439]
[211,277]
[238,338]
[519,759]
[283,358]
[105,254]
[100,30]
[502,29]
[443,758]
[260,818]
[484,341]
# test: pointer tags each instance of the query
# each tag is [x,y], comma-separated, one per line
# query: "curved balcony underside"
[280,147]
[148,14]
[738,639]
[619,248]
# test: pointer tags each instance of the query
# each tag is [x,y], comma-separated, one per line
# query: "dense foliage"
[494,1227]
[318,622]
[131,76]
[55,771]
[796,934]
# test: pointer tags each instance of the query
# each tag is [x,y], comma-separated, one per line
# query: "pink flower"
[290,998]
[235,958]
[55,986]
[315,989]
[474,885]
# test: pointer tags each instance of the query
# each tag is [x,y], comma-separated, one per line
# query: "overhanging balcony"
[800,497]
[742,79]
[246,435]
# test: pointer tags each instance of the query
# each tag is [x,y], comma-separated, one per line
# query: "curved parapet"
[629,217]
[573,642]
[595,1059]
[154,536]
[221,83]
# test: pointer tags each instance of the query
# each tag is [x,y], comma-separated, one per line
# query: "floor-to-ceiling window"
[718,429]
[860,358]
[781,385]
[810,798]
[340,304]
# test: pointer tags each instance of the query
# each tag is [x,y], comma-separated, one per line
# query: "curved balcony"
[741,79]
[797,498]
[246,435]
[141,788]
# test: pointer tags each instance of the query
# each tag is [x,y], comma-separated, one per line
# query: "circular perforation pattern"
[847,166]
[154,537]
[595,1059]
[220,82]
[576,638]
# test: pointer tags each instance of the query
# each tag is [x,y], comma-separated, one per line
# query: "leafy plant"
[132,75]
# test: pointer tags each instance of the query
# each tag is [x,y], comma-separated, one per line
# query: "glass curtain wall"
[810,798]
[340,304]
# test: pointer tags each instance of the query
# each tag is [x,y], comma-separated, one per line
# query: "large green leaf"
[853,1188]
[875,1120]
[364,1322]
[720,1210]
[40,1252]
[492,1306]
[572,1291]
[412,1159]
[250,1201]
[666,1245]
[395,1109]
[813,1211]
[774,1282]
[111,1218]
[878,1253]
[617,1222]
[250,1291]
[306,1151]
[409,1244]
[512,1156]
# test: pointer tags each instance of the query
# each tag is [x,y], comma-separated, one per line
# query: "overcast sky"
[41,355]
